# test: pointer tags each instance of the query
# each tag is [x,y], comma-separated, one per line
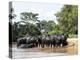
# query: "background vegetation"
[30,25]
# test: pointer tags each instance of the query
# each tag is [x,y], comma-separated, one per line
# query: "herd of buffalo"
[44,40]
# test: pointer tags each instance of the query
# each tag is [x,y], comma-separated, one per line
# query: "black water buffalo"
[53,40]
[64,40]
[59,40]
[27,40]
[21,41]
[39,40]
[48,40]
[44,40]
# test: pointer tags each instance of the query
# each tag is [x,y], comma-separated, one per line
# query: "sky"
[46,11]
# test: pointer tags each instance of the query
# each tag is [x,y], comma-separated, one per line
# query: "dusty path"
[71,49]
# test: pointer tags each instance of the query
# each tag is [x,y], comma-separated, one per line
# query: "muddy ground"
[70,49]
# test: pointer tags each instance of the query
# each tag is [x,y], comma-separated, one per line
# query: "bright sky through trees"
[46,11]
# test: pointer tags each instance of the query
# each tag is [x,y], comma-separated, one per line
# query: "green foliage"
[56,30]
[47,26]
[68,19]
[27,16]
[30,25]
[73,36]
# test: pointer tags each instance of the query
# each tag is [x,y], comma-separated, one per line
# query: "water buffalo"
[21,41]
[48,40]
[39,40]
[27,40]
[53,38]
[64,40]
[43,39]
[56,40]
[59,40]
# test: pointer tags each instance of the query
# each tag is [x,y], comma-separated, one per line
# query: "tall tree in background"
[47,26]
[68,19]
[29,17]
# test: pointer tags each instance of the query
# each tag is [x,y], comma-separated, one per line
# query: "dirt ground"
[70,49]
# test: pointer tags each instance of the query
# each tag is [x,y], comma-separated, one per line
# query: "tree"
[68,19]
[51,25]
[47,26]
[29,18]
